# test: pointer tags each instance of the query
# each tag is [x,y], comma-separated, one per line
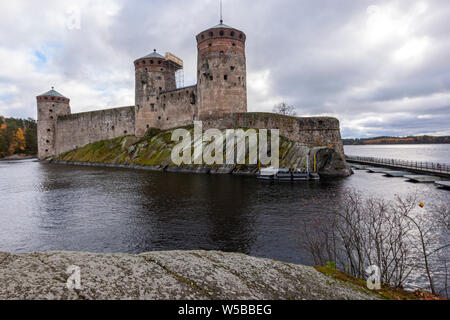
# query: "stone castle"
[219,100]
[221,90]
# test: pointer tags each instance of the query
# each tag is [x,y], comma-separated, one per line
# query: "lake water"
[438,153]
[53,207]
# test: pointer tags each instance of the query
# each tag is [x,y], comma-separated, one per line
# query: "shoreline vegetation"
[154,152]
[398,140]
[18,138]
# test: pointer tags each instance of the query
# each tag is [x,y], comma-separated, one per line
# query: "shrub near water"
[397,236]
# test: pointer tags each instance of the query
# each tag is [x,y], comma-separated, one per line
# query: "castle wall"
[80,129]
[311,131]
[177,108]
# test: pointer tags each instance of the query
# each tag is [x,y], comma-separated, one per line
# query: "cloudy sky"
[381,67]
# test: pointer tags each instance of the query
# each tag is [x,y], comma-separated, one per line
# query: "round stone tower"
[222,72]
[50,105]
[154,74]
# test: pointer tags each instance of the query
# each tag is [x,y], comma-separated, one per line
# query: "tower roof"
[53,93]
[154,54]
[222,25]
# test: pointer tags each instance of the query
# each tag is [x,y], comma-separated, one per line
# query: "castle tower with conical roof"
[50,105]
[154,74]
[221,72]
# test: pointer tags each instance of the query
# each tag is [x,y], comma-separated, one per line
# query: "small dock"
[396,173]
[359,166]
[443,184]
[422,178]
[376,170]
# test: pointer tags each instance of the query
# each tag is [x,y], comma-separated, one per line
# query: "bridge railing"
[418,165]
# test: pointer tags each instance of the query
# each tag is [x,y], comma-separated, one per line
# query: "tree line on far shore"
[17,136]
[399,140]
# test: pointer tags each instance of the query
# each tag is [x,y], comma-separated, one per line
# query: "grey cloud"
[315,51]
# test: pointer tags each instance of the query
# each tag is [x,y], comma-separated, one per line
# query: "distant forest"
[17,136]
[396,140]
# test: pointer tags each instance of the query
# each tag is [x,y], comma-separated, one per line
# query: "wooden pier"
[419,172]
[419,167]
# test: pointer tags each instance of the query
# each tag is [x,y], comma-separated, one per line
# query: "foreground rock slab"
[174,275]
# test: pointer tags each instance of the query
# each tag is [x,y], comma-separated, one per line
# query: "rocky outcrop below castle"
[175,275]
[154,153]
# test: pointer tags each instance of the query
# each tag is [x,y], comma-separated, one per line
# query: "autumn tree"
[17,136]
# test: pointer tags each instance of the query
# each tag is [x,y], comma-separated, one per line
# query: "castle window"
[211,33]
[51,110]
[203,36]
[112,128]
[221,52]
[211,78]
[148,126]
[225,77]
[151,61]
[232,33]
[47,141]
[209,45]
[164,107]
[146,69]
[48,130]
[51,118]
[233,44]
[241,36]
[159,118]
[153,107]
[221,32]
[160,88]
[232,68]
[143,62]
[159,62]
[125,132]
[167,119]
[46,150]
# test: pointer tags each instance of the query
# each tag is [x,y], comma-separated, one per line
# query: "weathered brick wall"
[48,110]
[177,108]
[312,131]
[150,81]
[80,129]
[222,75]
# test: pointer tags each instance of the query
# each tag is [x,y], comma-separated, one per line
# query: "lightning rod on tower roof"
[221,13]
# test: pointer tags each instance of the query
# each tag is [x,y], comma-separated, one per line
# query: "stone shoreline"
[172,275]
